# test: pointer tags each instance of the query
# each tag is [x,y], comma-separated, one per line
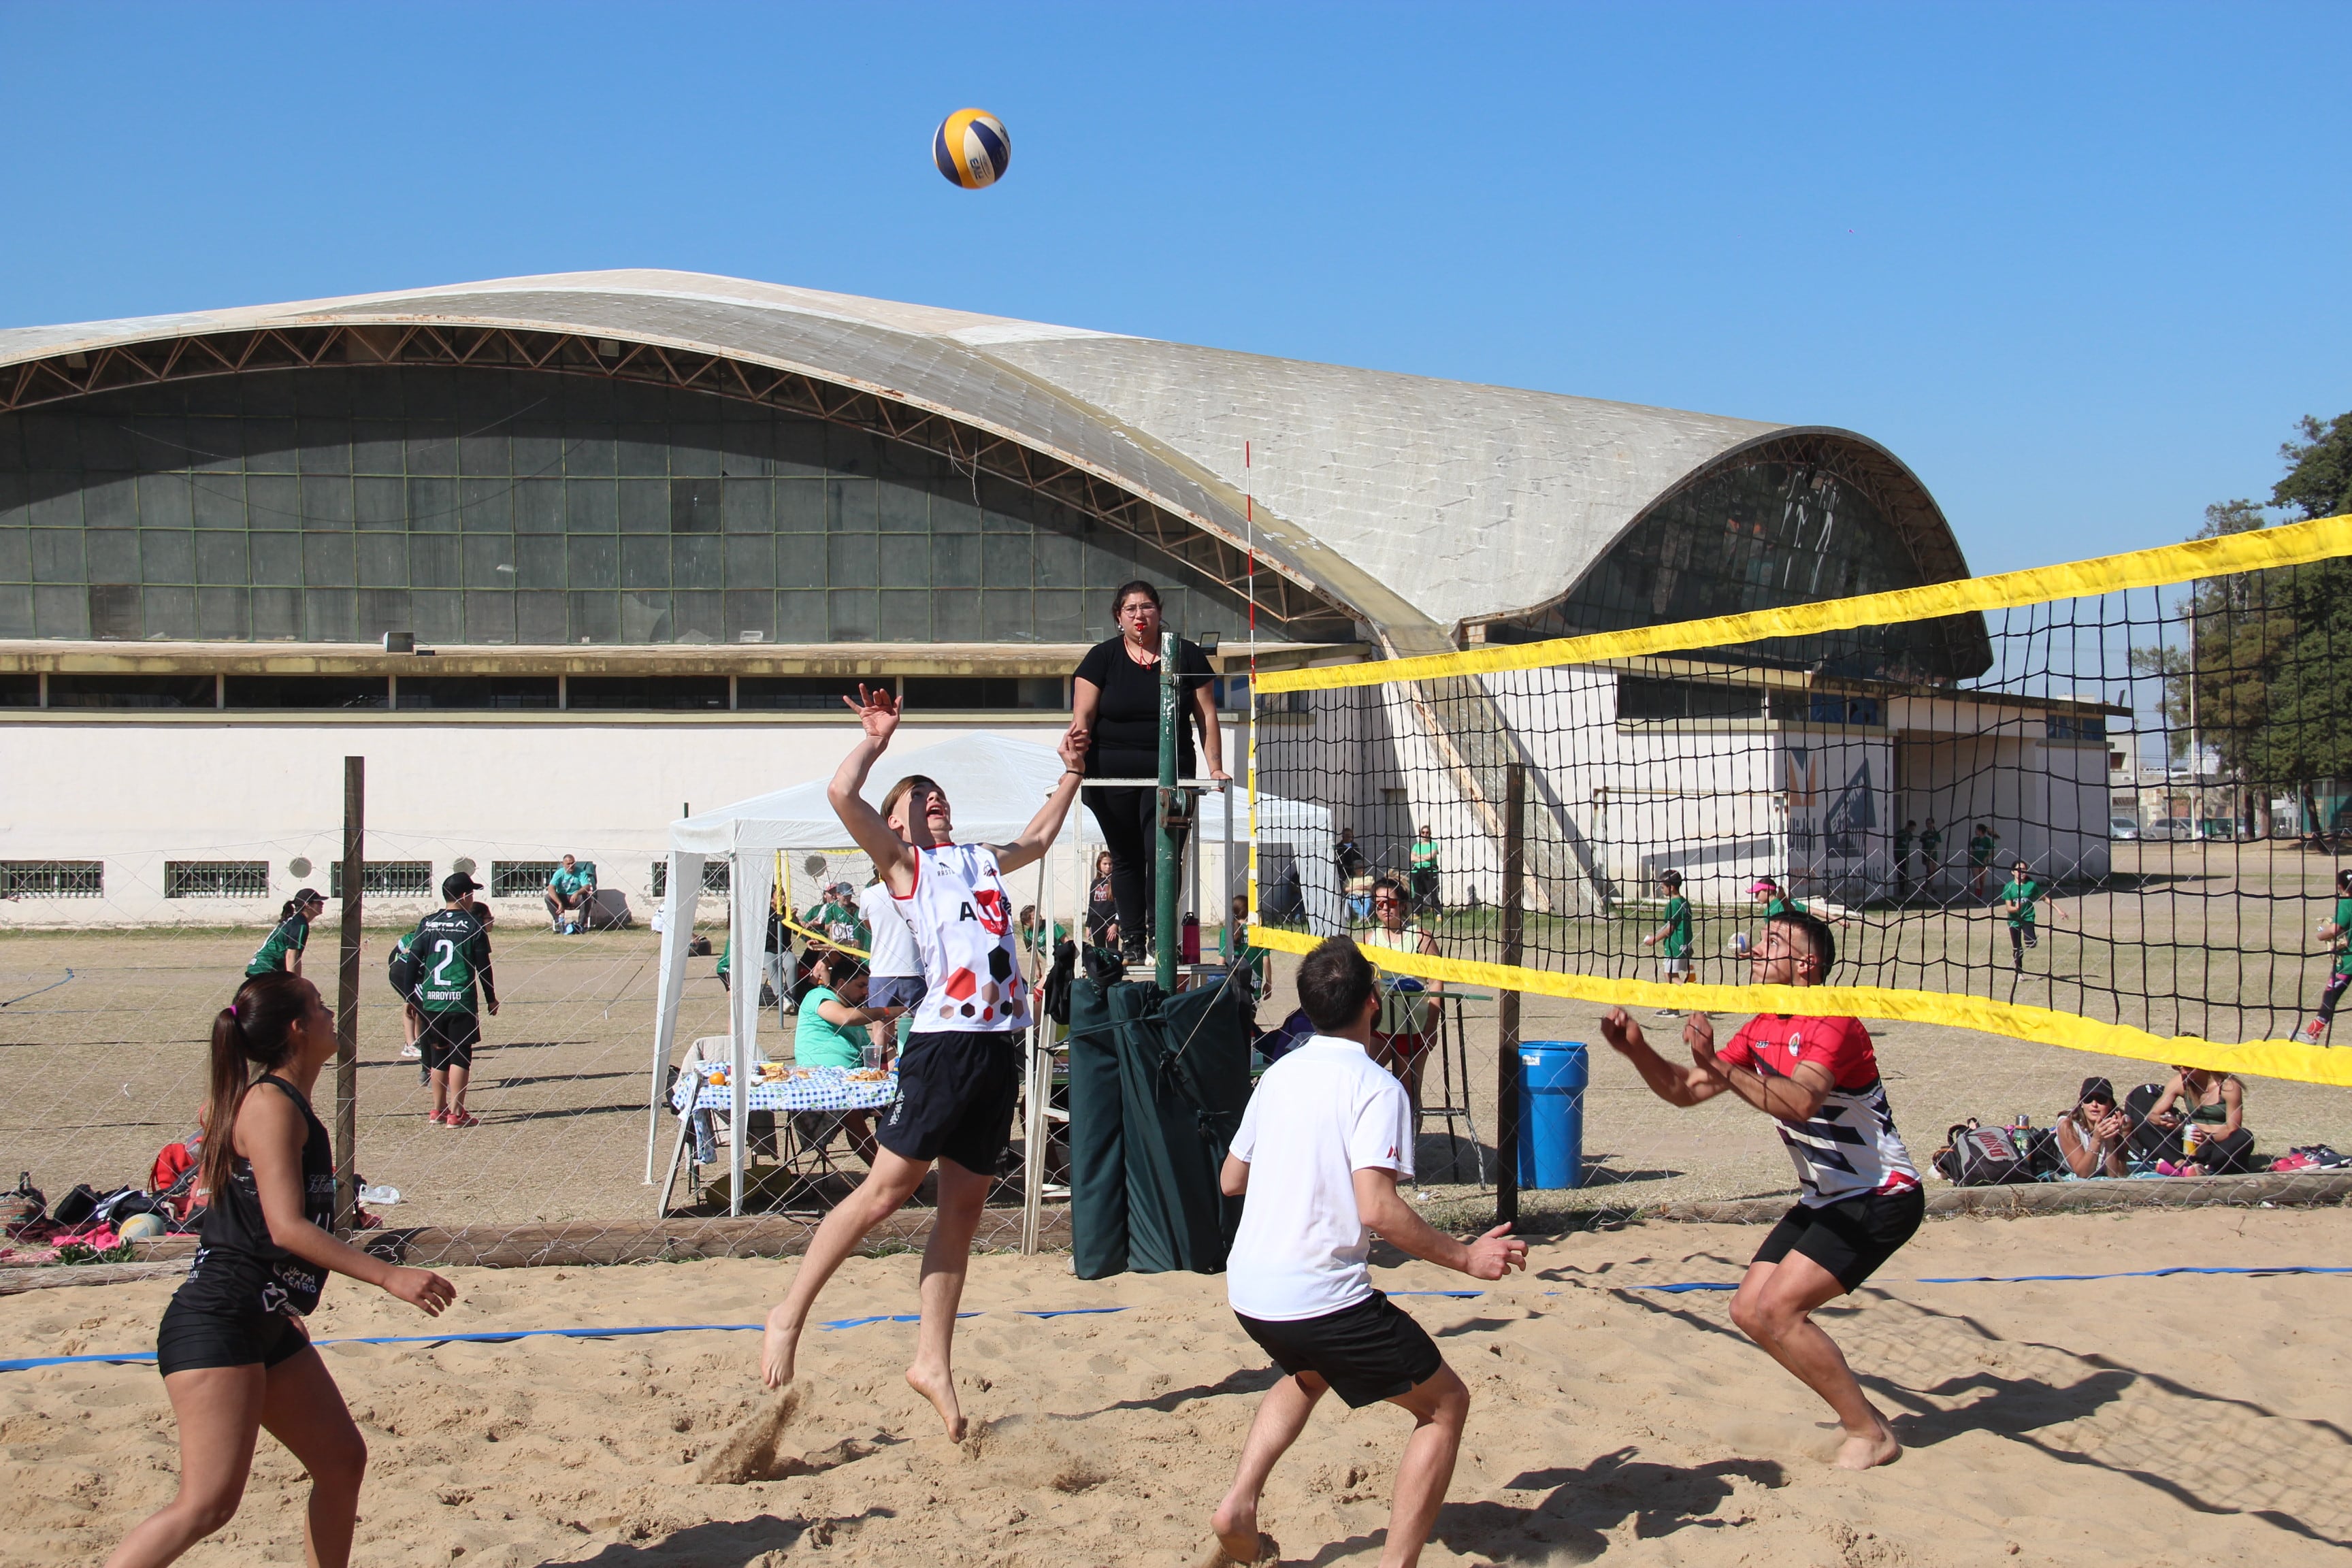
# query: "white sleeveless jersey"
[962,920]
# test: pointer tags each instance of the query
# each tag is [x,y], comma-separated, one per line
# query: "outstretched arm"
[1046,825]
[878,713]
[1384,1208]
[1675,1085]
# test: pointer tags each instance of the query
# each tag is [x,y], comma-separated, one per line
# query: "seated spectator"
[2093,1135]
[570,888]
[2212,1106]
[836,920]
[831,1030]
[2154,1139]
[1239,952]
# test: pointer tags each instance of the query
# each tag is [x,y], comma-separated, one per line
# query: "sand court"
[2124,1421]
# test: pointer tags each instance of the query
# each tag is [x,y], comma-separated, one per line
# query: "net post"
[347,996]
[1165,867]
[1506,1005]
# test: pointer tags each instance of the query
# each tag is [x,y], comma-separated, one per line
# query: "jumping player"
[1861,1198]
[959,1075]
[233,1350]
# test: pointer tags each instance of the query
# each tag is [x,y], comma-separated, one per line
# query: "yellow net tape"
[2040,1025]
[2293,544]
[783,904]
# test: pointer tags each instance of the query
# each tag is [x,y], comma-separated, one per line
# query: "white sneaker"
[411,1054]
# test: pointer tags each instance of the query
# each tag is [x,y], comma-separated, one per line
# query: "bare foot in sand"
[937,1383]
[777,1348]
[1239,1544]
[1872,1448]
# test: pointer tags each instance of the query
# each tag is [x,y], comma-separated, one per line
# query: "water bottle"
[1188,943]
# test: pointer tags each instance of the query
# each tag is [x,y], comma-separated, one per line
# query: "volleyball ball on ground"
[142,1227]
[972,148]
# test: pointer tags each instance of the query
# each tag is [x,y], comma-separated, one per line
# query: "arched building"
[637,523]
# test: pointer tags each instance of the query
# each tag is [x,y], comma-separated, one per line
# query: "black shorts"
[956,1093]
[447,1040]
[193,1337]
[1367,1352]
[1849,1239]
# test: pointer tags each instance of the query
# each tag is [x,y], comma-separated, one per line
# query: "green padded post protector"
[1157,1087]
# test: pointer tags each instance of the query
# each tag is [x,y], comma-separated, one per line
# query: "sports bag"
[1985,1157]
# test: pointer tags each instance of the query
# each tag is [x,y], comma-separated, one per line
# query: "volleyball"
[142,1227]
[972,148]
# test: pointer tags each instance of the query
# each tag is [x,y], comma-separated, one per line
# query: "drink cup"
[872,1053]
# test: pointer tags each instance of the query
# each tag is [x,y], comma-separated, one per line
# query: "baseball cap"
[1764,885]
[457,882]
[2095,1088]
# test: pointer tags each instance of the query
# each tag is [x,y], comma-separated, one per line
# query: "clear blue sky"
[2083,267]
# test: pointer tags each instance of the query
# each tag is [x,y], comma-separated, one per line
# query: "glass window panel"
[994,520]
[851,451]
[113,554]
[432,446]
[539,619]
[483,455]
[747,505]
[327,615]
[646,693]
[697,617]
[16,554]
[16,611]
[58,556]
[487,505]
[220,558]
[219,500]
[1008,560]
[695,449]
[800,446]
[799,561]
[750,616]
[381,610]
[167,555]
[489,617]
[436,617]
[380,503]
[911,465]
[751,448]
[14,500]
[645,562]
[270,445]
[1061,616]
[588,450]
[851,560]
[694,506]
[800,618]
[905,616]
[131,691]
[595,617]
[154,442]
[307,691]
[1010,615]
[538,447]
[223,614]
[61,612]
[478,692]
[855,614]
[954,514]
[539,506]
[272,502]
[800,693]
[955,561]
[955,615]
[110,500]
[642,449]
[591,561]
[377,446]
[905,561]
[276,558]
[694,562]
[591,506]
[489,560]
[266,392]
[105,444]
[276,615]
[849,506]
[645,506]
[325,445]
[164,501]
[644,617]
[1061,561]
[432,506]
[56,501]
[381,561]
[750,561]
[433,561]
[326,503]
[538,562]
[903,508]
[52,441]
[800,506]
[217,445]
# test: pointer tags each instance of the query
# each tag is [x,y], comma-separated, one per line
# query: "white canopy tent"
[996,784]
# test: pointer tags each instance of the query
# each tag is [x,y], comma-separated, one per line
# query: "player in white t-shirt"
[896,964]
[1328,1134]
[1859,1198]
[959,1075]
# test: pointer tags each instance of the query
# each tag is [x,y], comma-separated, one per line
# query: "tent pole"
[678,930]
[1165,867]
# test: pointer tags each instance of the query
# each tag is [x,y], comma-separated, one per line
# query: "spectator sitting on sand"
[2092,1134]
[2214,1139]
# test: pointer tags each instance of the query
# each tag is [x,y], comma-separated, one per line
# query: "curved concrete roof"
[1421,503]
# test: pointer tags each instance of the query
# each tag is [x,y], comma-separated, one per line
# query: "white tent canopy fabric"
[995,784]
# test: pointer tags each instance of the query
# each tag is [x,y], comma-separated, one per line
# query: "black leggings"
[2233,1156]
[1130,819]
[2020,939]
[2333,994]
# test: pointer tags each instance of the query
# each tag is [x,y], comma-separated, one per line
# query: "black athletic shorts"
[448,1039]
[1367,1352]
[1851,1237]
[956,1093]
[193,1337]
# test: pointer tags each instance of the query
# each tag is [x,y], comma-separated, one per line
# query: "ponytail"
[293,906]
[257,1030]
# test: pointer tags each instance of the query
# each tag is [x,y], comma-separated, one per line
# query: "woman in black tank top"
[232,1348]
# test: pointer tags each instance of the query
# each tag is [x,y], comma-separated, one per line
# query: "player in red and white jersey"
[1860,1198]
[959,1074]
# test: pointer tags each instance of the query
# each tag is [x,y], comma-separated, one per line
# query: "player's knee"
[1449,1397]
[341,1461]
[210,1512]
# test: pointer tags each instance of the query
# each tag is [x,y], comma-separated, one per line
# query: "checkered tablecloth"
[824,1089]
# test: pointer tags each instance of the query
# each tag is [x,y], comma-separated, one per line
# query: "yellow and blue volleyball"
[972,148]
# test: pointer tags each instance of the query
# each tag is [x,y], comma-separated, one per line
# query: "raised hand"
[877,710]
[1623,1035]
[1698,1034]
[1496,1254]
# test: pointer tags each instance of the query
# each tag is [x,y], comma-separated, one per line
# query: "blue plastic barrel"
[1552,1075]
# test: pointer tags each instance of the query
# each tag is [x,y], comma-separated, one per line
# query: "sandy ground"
[2175,1421]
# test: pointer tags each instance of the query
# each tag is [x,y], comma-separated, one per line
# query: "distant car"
[2168,828]
[2122,827]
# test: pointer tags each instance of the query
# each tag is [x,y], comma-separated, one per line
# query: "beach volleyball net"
[2163,740]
